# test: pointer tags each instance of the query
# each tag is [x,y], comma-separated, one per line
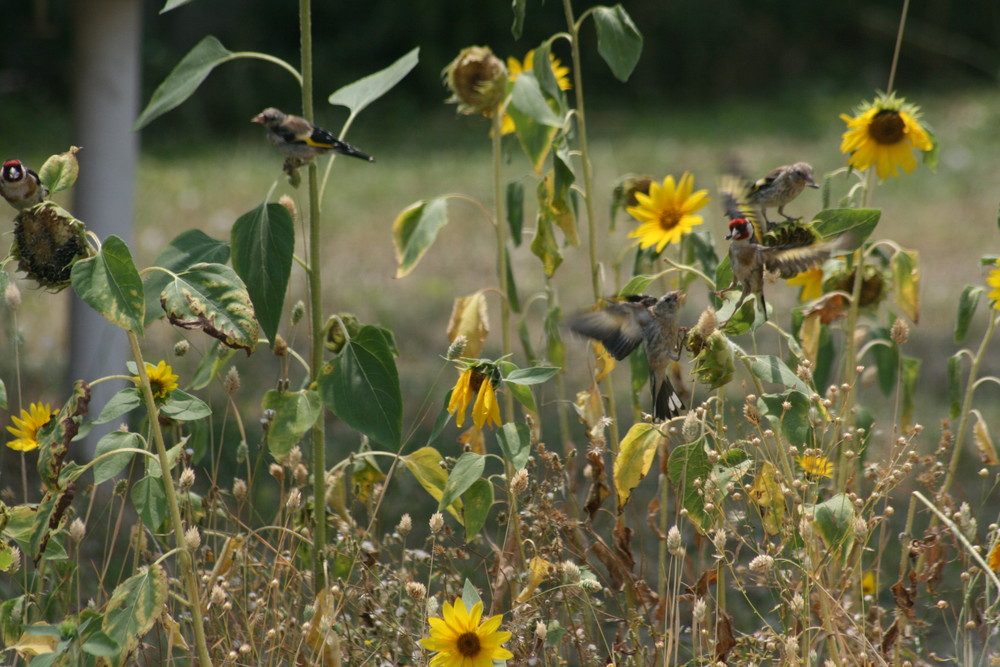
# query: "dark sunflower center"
[669,218]
[468,644]
[887,127]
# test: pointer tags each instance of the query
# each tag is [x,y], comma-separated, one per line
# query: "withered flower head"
[477,80]
[47,242]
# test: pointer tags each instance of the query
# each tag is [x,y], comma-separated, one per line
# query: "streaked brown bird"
[641,319]
[20,185]
[779,187]
[296,137]
[749,258]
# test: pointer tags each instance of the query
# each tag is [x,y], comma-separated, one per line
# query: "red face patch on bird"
[13,170]
[739,229]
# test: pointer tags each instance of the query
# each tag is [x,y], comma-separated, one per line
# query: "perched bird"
[298,138]
[641,319]
[20,186]
[749,257]
[779,187]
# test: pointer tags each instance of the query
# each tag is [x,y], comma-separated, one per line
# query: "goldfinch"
[779,187]
[298,138]
[20,186]
[641,319]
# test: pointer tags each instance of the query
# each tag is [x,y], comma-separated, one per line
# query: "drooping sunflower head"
[884,133]
[162,379]
[477,80]
[25,428]
[478,378]
[667,212]
[816,467]
[460,641]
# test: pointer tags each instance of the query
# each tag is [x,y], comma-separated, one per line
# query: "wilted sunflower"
[884,133]
[667,212]
[26,426]
[460,641]
[816,467]
[476,380]
[993,280]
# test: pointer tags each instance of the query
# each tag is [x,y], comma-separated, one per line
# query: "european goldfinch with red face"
[20,186]
[296,137]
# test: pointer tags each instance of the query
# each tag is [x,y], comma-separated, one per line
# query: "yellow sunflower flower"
[486,410]
[26,426]
[816,467]
[868,583]
[161,379]
[514,69]
[461,396]
[667,212]
[993,280]
[460,641]
[811,282]
[884,133]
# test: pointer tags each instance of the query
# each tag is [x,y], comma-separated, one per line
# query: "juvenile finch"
[641,319]
[779,187]
[20,186]
[298,138]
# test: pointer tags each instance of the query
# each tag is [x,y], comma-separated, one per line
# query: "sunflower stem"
[187,568]
[501,236]
[898,46]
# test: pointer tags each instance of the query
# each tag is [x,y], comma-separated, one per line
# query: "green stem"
[269,58]
[500,229]
[963,424]
[187,568]
[314,275]
[588,194]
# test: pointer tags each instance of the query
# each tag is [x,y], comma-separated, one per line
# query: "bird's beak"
[812,184]
[729,236]
[259,118]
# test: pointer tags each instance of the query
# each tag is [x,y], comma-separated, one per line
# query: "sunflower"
[26,426]
[514,69]
[816,467]
[993,280]
[161,379]
[884,133]
[460,641]
[476,380]
[667,212]
[811,282]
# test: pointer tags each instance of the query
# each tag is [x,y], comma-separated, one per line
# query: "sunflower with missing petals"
[885,133]
[667,212]
[460,641]
[811,282]
[162,379]
[993,280]
[816,467]
[26,426]
[514,69]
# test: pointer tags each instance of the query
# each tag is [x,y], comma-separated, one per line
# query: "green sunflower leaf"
[909,368]
[688,463]
[515,443]
[851,226]
[122,403]
[772,369]
[150,501]
[533,375]
[295,412]
[59,172]
[967,304]
[183,407]
[545,246]
[515,210]
[467,470]
[470,596]
[184,79]
[526,96]
[793,422]
[358,95]
[414,231]
[109,283]
[361,386]
[477,501]
[835,520]
[135,605]
[618,40]
[107,468]
[186,250]
[517,27]
[535,138]
[263,242]
[211,297]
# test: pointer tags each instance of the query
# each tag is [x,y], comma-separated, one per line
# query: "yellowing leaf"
[225,560]
[469,319]
[32,645]
[994,559]
[589,406]
[635,457]
[174,635]
[766,492]
[809,334]
[425,465]
[906,282]
[605,363]
[538,571]
[321,636]
[984,442]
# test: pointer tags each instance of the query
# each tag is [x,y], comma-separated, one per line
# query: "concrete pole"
[107,35]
